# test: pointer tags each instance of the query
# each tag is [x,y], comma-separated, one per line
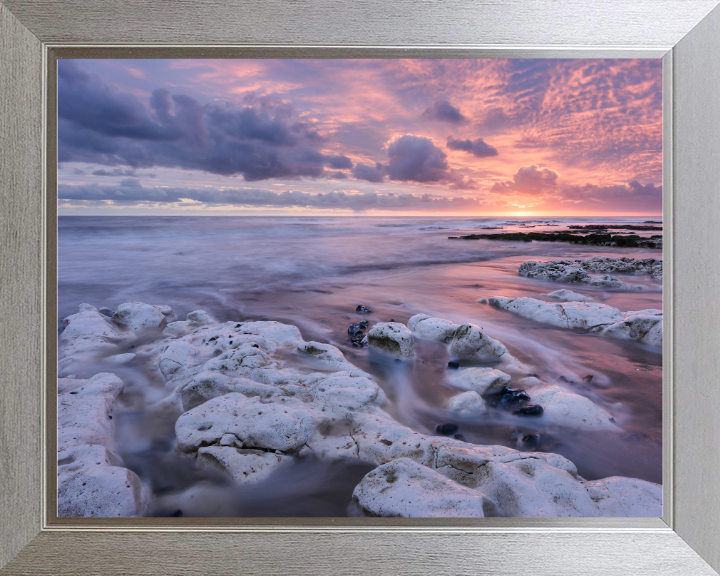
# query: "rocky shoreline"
[242,409]
[573,237]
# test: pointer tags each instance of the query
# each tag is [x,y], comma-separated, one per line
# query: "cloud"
[265,140]
[530,180]
[416,159]
[132,192]
[632,191]
[338,161]
[443,111]
[364,171]
[114,172]
[478,147]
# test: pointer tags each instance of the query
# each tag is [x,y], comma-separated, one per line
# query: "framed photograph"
[302,290]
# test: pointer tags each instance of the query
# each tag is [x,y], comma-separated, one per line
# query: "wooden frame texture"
[684,33]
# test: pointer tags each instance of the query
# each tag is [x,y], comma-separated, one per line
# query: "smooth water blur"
[313,272]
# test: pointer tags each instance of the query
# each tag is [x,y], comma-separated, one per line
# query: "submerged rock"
[391,337]
[446,429]
[362,309]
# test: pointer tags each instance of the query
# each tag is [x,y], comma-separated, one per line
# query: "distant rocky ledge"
[242,410]
[624,241]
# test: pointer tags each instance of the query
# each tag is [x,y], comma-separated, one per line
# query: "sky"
[360,137]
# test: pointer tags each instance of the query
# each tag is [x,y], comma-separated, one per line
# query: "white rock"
[286,424]
[391,337]
[199,317]
[208,385]
[89,323]
[618,496]
[430,328]
[91,479]
[327,355]
[244,466]
[342,390]
[467,404]
[645,326]
[576,271]
[177,329]
[471,343]
[607,281]
[564,408]
[589,315]
[481,380]
[569,296]
[275,333]
[165,311]
[93,484]
[176,357]
[137,316]
[120,358]
[407,489]
[563,271]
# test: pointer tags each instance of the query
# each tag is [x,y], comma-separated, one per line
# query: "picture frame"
[684,33]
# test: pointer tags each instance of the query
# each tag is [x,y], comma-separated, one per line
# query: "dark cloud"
[132,192]
[528,180]
[114,172]
[338,162]
[416,159]
[477,147]
[443,111]
[266,140]
[364,171]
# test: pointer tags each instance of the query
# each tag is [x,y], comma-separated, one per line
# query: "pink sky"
[469,137]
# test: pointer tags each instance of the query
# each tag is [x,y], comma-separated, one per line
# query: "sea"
[313,272]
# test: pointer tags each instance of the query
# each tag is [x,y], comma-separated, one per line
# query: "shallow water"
[313,272]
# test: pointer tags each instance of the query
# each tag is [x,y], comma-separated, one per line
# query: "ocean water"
[313,272]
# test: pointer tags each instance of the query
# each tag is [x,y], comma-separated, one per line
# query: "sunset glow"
[360,137]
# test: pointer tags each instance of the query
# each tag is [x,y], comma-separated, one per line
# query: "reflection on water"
[313,272]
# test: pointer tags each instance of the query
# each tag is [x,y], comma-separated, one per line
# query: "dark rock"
[588,379]
[459,437]
[602,238]
[453,365]
[529,410]
[176,514]
[446,429]
[511,397]
[532,439]
[532,376]
[356,330]
[563,379]
[106,311]
[362,310]
[392,319]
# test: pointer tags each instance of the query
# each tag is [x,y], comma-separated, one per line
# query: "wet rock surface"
[244,413]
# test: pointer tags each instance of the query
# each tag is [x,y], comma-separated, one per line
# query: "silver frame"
[685,33]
